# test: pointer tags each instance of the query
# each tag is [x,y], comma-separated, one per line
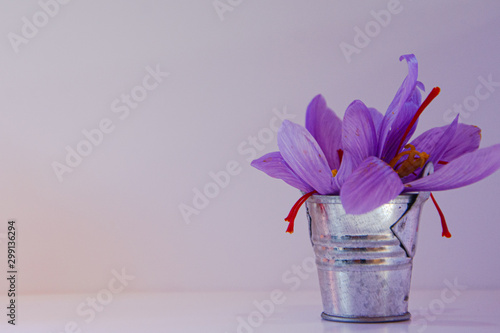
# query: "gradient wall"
[116,114]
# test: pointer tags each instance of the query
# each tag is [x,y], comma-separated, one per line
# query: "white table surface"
[472,311]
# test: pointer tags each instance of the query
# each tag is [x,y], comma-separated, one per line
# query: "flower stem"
[295,209]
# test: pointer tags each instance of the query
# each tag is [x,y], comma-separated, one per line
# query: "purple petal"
[466,139]
[398,129]
[377,119]
[426,141]
[416,96]
[403,94]
[465,170]
[359,137]
[326,128]
[421,86]
[275,166]
[304,156]
[435,146]
[346,168]
[371,185]
[442,144]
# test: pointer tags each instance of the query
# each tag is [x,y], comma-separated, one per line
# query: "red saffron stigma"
[446,232]
[443,162]
[433,94]
[341,154]
[295,209]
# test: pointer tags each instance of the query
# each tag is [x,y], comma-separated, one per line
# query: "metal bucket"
[365,261]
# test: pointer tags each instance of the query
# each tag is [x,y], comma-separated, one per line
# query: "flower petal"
[440,147]
[359,137]
[403,94]
[466,139]
[326,128]
[435,146]
[465,170]
[377,118]
[346,168]
[275,166]
[398,129]
[304,156]
[372,184]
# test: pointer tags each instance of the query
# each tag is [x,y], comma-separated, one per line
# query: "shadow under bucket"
[365,261]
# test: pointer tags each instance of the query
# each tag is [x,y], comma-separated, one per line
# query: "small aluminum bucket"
[365,261]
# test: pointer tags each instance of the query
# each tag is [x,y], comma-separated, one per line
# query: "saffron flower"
[368,159]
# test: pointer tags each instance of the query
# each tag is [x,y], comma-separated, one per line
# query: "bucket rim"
[403,198]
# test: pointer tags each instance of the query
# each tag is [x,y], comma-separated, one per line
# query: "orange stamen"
[415,161]
[295,209]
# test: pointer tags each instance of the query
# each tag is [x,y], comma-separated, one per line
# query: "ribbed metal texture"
[365,261]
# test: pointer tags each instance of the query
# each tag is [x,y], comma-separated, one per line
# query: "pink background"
[119,208]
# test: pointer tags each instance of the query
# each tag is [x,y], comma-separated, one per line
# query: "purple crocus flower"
[366,158]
